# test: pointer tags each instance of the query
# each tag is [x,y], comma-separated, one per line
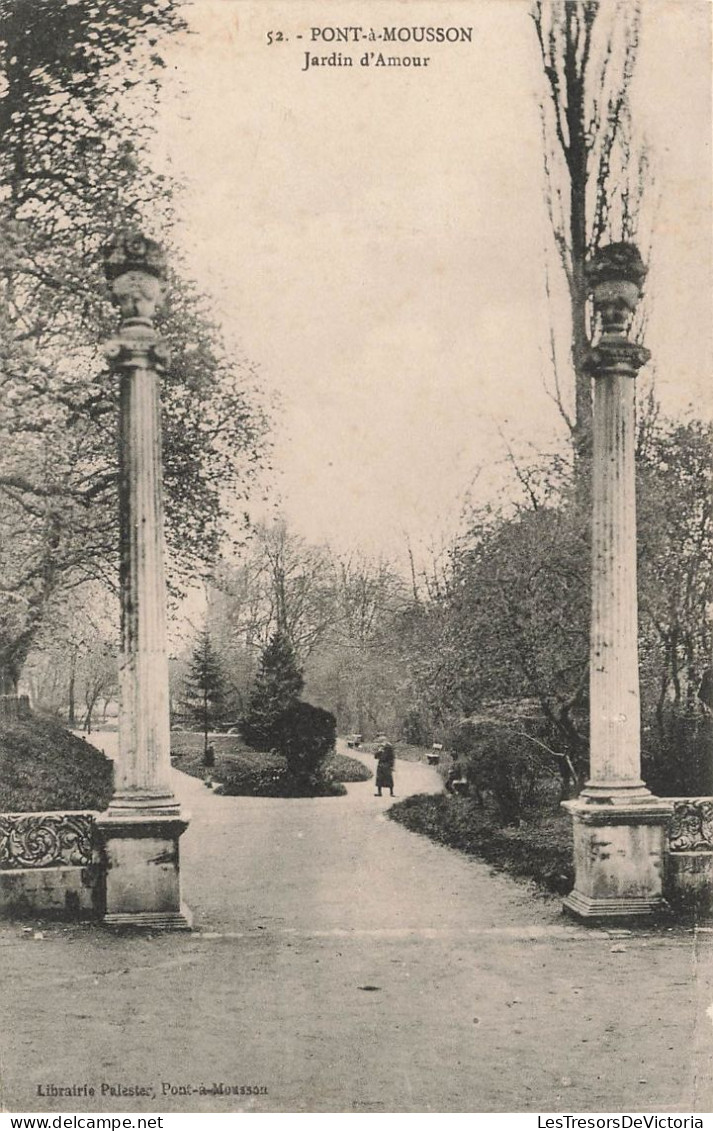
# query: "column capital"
[128,351]
[614,354]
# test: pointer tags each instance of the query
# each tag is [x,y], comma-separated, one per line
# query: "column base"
[139,803]
[142,880]
[619,859]
[622,909]
[603,793]
[152,920]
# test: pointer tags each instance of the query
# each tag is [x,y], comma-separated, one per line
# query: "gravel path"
[347,965]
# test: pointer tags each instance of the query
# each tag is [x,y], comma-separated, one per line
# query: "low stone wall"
[689,863]
[49,864]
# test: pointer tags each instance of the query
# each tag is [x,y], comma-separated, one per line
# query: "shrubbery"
[343,768]
[304,735]
[510,764]
[269,781]
[239,772]
[43,766]
[677,754]
[519,765]
[540,851]
[415,729]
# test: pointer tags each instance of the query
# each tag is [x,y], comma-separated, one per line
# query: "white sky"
[374,242]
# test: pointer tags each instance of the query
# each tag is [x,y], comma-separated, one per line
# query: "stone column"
[142,826]
[619,826]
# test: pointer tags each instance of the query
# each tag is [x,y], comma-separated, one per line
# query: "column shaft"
[144,766]
[614,675]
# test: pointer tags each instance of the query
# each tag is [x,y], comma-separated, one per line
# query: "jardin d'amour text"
[324,41]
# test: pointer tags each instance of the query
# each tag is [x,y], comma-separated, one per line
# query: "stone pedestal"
[140,831]
[143,883]
[619,857]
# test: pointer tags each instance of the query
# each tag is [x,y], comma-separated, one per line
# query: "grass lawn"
[540,849]
[43,766]
[241,771]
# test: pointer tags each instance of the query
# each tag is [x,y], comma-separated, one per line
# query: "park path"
[347,965]
[337,865]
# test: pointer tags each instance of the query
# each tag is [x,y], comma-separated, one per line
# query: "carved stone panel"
[45,840]
[691,828]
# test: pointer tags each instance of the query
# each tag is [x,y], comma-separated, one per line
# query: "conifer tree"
[205,689]
[277,688]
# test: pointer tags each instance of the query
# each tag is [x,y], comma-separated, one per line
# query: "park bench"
[434,757]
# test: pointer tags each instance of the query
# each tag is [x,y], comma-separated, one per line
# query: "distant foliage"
[677,755]
[502,621]
[338,611]
[415,729]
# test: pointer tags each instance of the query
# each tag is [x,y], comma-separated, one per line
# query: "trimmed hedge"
[43,766]
[307,735]
[343,768]
[240,772]
[265,782]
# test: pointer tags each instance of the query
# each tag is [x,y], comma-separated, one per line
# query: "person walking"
[385,768]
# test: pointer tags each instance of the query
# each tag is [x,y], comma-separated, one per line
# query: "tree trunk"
[205,726]
[8,682]
[70,696]
[577,161]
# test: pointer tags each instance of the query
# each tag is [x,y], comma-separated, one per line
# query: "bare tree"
[101,680]
[281,584]
[595,172]
[74,656]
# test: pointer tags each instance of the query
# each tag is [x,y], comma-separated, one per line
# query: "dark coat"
[385,766]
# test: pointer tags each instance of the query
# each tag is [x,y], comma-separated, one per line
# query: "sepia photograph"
[356,560]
